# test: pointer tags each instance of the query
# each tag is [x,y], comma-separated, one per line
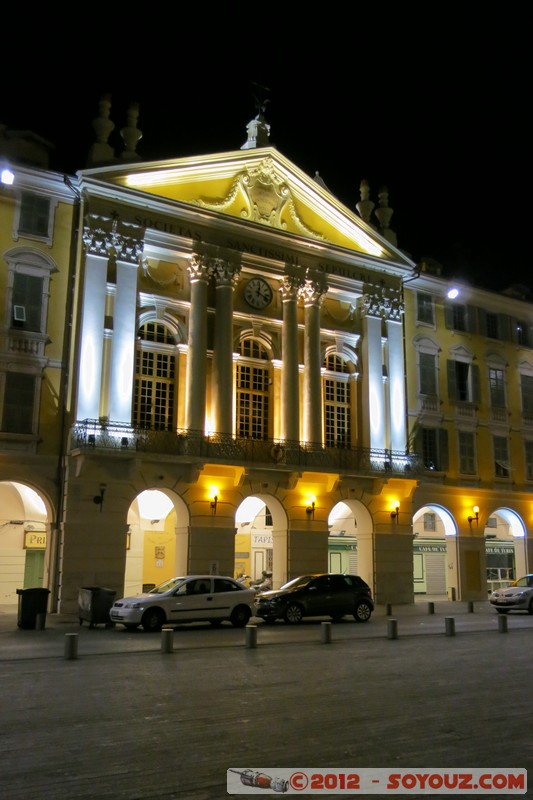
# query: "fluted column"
[312,294]
[195,382]
[290,394]
[373,428]
[226,277]
[396,374]
[97,241]
[128,247]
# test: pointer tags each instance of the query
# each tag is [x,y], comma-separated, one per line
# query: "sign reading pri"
[34,540]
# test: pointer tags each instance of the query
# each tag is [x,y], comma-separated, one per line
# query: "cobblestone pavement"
[129,718]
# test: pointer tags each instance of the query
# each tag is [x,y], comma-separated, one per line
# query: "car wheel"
[152,620]
[240,616]
[363,611]
[502,610]
[131,626]
[530,607]
[293,614]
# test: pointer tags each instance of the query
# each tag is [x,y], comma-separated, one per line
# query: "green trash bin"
[32,603]
[94,604]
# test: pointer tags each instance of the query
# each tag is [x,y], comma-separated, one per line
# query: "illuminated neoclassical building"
[252,375]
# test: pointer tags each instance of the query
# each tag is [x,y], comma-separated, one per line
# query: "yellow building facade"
[235,374]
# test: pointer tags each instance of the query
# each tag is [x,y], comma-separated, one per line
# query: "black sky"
[436,109]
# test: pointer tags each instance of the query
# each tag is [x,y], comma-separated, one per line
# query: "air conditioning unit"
[19,313]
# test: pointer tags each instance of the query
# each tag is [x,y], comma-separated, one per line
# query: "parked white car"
[190,598]
[517,597]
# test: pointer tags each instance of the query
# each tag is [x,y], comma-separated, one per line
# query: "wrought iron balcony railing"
[196,446]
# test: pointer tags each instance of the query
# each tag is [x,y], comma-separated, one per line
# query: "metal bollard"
[325,632]
[40,622]
[389,609]
[167,640]
[450,626]
[71,646]
[251,636]
[470,607]
[502,623]
[392,629]
[431,608]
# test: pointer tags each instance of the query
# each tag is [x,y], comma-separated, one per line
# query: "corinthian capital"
[314,289]
[199,268]
[290,286]
[127,242]
[224,272]
[97,235]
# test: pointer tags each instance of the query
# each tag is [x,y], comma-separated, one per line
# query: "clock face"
[257,293]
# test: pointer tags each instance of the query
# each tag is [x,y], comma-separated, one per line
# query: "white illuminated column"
[124,329]
[290,394]
[312,293]
[199,273]
[92,325]
[395,368]
[226,276]
[372,375]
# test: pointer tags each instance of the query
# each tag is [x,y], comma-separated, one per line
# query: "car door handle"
[209,599]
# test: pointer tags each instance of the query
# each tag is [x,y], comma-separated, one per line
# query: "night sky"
[437,110]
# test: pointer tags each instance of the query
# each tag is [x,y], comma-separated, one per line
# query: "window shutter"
[476,391]
[443,449]
[482,321]
[471,319]
[452,383]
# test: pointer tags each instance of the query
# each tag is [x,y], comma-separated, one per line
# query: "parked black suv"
[317,596]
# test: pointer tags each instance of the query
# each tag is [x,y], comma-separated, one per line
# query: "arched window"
[154,403]
[337,401]
[253,380]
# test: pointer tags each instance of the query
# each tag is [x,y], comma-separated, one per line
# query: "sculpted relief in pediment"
[264,197]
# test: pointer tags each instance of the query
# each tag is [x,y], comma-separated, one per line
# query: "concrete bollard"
[167,640]
[431,608]
[392,629]
[450,626]
[71,646]
[251,636]
[325,632]
[502,623]
[470,607]
[389,609]
[40,622]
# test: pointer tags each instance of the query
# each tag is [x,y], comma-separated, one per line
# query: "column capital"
[289,287]
[199,268]
[383,302]
[314,289]
[105,236]
[225,272]
[97,235]
[127,241]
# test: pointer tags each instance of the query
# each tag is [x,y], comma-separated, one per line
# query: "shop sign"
[262,540]
[429,548]
[34,540]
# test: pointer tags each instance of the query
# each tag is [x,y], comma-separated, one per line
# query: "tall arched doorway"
[25,541]
[156,540]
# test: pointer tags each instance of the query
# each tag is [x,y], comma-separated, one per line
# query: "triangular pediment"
[260,186]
